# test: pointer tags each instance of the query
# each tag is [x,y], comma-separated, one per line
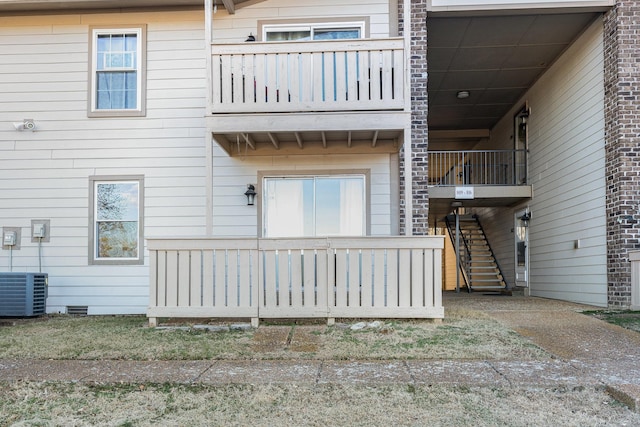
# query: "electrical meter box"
[9,238]
[39,230]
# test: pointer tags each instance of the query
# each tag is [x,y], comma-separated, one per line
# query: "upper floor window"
[117,68]
[314,31]
[116,220]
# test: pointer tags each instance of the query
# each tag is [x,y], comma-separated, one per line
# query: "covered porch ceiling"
[267,134]
[496,59]
[309,142]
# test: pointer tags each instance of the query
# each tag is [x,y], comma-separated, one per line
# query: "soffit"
[19,6]
[495,58]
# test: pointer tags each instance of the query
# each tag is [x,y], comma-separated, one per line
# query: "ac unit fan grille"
[23,294]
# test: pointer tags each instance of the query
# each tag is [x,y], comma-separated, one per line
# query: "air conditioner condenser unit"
[23,294]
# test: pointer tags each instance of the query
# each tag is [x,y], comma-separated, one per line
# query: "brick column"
[419,128]
[622,145]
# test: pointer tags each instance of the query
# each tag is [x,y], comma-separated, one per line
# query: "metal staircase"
[476,260]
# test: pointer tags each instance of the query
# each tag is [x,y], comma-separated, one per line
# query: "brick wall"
[622,145]
[419,129]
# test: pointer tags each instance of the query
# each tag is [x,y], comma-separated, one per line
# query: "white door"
[521,232]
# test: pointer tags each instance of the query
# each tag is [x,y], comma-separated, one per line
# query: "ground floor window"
[116,220]
[309,206]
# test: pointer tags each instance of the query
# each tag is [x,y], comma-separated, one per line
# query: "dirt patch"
[271,339]
[307,339]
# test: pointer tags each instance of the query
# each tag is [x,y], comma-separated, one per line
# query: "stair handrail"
[462,267]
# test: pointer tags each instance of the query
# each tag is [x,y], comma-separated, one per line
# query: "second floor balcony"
[295,95]
[308,76]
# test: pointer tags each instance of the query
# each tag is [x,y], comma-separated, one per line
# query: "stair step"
[486,287]
[483,272]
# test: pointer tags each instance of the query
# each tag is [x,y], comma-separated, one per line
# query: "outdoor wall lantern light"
[251,194]
[525,219]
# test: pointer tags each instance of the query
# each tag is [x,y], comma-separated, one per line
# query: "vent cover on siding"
[23,294]
[77,310]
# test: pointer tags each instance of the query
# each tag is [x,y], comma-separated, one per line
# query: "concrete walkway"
[589,352]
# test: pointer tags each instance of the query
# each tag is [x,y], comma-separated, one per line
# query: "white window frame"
[361,23]
[364,174]
[94,181]
[140,68]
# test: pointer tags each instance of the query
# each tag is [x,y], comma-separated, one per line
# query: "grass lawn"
[463,335]
[626,318]
[55,404]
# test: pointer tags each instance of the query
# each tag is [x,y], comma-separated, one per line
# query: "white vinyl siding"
[232,216]
[567,172]
[44,75]
[44,174]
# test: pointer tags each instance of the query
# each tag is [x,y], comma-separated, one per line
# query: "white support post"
[209,177]
[406,35]
[208,41]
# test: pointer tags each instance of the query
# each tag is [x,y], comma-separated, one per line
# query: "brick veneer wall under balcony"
[622,145]
[419,128]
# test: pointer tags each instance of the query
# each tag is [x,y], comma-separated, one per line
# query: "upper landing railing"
[477,167]
[334,75]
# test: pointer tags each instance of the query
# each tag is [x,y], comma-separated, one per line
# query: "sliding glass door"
[309,206]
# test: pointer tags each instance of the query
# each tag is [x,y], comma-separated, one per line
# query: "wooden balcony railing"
[335,75]
[383,277]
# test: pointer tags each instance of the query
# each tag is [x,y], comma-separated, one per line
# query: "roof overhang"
[494,7]
[16,7]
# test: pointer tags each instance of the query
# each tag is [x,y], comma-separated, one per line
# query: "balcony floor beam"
[274,140]
[309,122]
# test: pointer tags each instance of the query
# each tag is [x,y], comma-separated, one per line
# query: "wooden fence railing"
[334,75]
[372,277]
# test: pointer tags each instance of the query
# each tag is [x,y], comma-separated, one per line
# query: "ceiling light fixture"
[463,94]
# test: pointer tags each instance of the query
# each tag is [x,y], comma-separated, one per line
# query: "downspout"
[208,38]
[408,152]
